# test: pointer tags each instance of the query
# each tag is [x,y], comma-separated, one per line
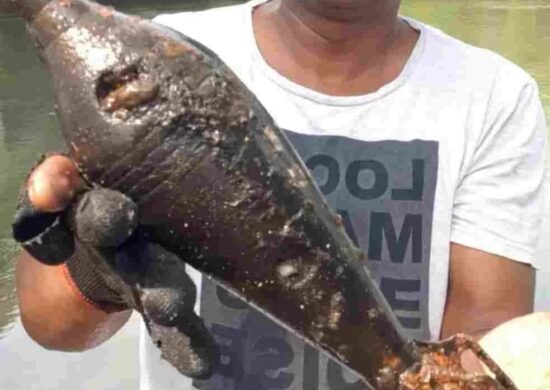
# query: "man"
[431,150]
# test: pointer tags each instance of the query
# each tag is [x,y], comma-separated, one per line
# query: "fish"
[156,116]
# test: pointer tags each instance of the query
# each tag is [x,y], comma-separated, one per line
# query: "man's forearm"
[484,291]
[54,314]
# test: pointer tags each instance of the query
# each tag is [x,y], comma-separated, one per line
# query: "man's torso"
[389,163]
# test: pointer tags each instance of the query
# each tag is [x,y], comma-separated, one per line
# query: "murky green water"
[518,29]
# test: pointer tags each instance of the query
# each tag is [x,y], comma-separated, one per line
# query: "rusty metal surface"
[440,368]
[153,114]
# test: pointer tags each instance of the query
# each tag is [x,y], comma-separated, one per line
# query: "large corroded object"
[150,113]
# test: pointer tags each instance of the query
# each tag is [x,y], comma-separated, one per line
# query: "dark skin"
[340,48]
[54,315]
[365,47]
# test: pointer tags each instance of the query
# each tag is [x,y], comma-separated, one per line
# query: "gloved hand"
[95,234]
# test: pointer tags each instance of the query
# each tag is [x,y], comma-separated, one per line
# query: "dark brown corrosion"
[156,116]
[440,368]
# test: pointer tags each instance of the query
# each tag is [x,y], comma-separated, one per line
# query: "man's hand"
[53,312]
[109,267]
[90,230]
[54,315]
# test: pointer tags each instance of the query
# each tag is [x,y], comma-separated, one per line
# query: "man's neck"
[346,50]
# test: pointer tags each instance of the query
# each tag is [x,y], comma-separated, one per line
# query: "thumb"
[53,184]
[104,218]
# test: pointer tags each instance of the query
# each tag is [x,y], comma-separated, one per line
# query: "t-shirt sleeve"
[498,204]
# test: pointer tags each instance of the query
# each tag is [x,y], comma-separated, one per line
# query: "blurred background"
[518,29]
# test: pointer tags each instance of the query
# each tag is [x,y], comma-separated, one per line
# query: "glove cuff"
[91,285]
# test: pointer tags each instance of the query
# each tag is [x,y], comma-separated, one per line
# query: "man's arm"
[497,209]
[77,306]
[485,290]
[53,311]
[55,315]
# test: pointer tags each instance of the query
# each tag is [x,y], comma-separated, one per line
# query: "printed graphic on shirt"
[384,192]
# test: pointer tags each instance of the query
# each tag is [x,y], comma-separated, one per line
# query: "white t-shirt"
[452,150]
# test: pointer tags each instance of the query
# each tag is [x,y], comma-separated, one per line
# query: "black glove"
[115,267]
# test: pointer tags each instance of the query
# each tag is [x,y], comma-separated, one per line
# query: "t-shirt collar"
[261,64]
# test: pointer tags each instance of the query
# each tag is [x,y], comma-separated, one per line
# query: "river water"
[518,29]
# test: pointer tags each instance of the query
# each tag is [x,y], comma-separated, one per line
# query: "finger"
[167,293]
[188,346]
[167,296]
[53,184]
[104,218]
